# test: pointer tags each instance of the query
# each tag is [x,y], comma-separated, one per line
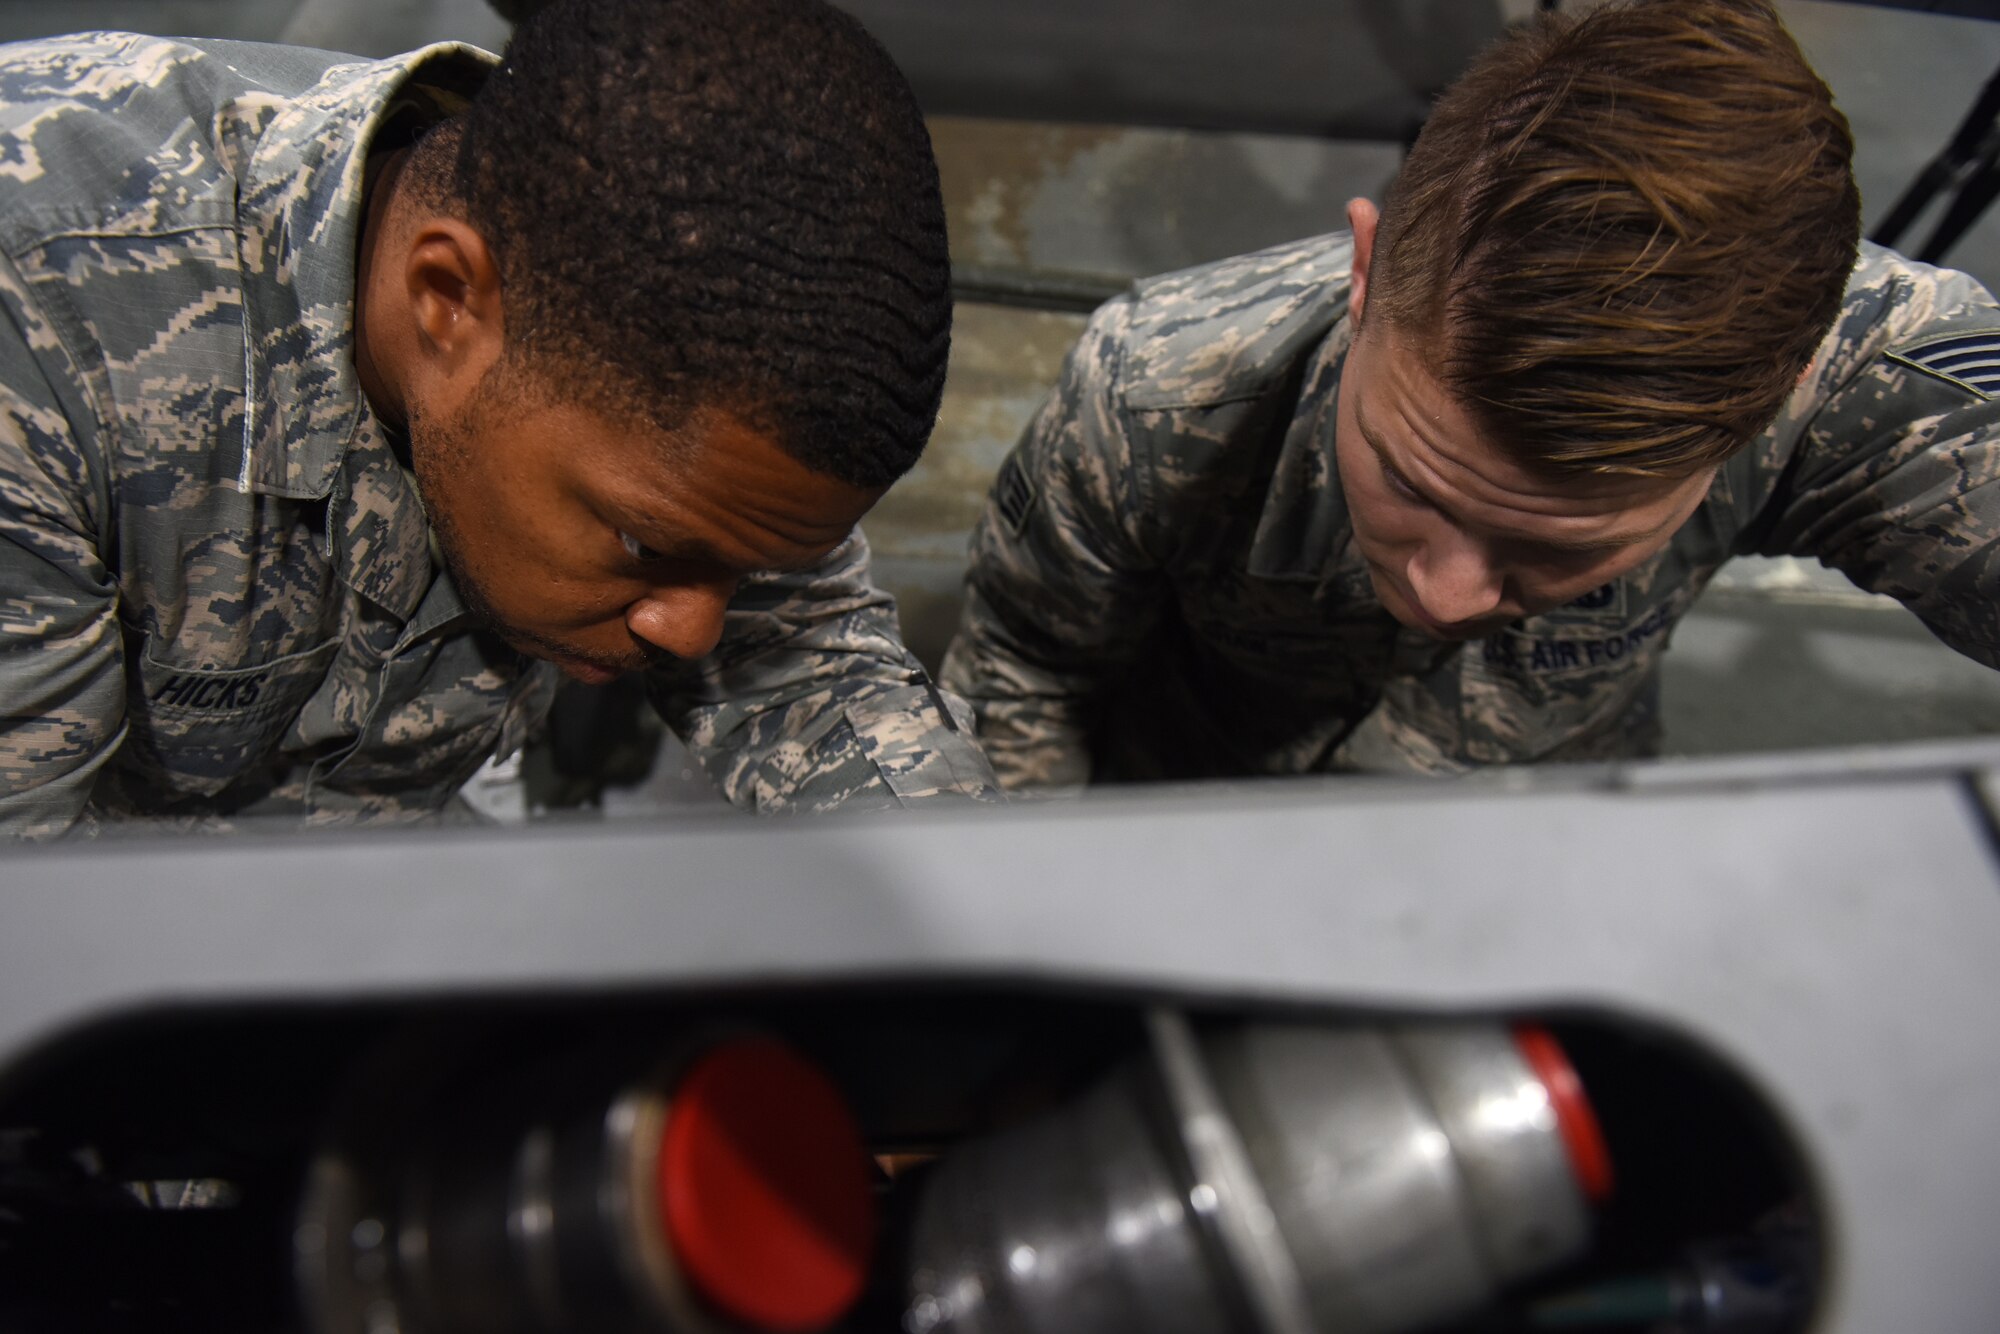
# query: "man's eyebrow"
[1572,546]
[696,552]
[1381,451]
[1584,546]
[687,553]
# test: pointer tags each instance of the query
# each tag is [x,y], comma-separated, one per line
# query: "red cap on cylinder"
[765,1190]
[1582,1137]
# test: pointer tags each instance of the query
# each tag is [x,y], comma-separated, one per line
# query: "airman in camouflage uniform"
[218,595]
[1165,584]
[1433,493]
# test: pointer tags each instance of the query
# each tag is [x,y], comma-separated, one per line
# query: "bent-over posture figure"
[342,403]
[1433,493]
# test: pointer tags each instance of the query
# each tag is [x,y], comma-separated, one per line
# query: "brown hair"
[1630,231]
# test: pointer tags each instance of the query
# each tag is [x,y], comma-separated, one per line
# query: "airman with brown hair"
[1433,493]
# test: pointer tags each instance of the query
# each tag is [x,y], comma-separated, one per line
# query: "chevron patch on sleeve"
[1013,493]
[1971,359]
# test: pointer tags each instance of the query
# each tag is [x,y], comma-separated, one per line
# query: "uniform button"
[765,1190]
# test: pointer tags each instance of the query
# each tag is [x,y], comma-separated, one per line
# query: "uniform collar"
[1304,531]
[299,212]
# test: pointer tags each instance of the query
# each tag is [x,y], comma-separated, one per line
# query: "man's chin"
[589,673]
[1447,634]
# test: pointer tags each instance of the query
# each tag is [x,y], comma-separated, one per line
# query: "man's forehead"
[1422,433]
[788,498]
[707,489]
[698,512]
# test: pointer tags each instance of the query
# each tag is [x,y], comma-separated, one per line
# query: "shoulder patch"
[1013,493]
[1971,360]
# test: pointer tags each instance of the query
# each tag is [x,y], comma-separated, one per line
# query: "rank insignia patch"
[1971,360]
[1013,493]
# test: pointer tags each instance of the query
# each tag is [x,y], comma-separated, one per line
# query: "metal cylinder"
[1281,1178]
[728,1190]
[1072,1222]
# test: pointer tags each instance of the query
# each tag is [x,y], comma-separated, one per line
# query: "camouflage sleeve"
[811,701]
[62,670]
[1896,482]
[1062,592]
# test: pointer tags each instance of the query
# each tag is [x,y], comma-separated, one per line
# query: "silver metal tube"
[1269,1177]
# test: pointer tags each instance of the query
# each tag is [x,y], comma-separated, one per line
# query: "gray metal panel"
[1834,940]
[1341,68]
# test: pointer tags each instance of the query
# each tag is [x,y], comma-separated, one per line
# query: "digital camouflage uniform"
[217,592]
[1165,583]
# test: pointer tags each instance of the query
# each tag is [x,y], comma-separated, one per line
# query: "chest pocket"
[195,731]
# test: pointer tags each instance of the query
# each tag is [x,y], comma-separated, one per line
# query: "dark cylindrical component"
[1271,1177]
[729,1192]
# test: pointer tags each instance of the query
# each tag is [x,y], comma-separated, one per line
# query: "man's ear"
[1362,215]
[452,282]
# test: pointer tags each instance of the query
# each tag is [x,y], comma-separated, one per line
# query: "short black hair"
[716,204]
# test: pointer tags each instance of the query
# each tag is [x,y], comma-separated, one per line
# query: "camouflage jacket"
[1164,582]
[217,595]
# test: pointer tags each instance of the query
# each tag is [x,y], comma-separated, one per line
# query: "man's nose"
[1456,579]
[683,619]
